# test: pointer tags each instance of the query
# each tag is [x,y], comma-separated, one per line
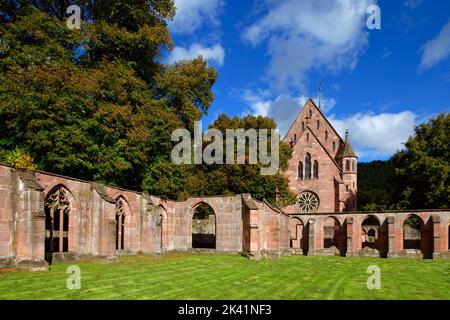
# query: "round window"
[308,202]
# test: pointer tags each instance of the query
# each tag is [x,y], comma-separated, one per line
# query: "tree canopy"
[414,178]
[423,168]
[99,104]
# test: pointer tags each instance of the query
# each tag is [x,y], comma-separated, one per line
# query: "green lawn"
[202,276]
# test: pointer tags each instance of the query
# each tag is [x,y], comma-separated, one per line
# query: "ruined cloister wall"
[152,224]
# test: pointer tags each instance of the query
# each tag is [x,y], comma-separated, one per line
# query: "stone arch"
[73,195]
[371,228]
[203,226]
[413,226]
[334,235]
[374,236]
[60,222]
[417,236]
[331,228]
[298,237]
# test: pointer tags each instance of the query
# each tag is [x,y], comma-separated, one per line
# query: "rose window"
[308,202]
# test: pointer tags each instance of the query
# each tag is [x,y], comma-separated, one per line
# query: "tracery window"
[120,224]
[308,202]
[57,209]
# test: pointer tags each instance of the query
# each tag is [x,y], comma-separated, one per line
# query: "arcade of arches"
[46,218]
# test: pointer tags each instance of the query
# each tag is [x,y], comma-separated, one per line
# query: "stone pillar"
[349,221]
[437,243]
[112,235]
[254,234]
[445,253]
[38,235]
[29,221]
[311,237]
[392,250]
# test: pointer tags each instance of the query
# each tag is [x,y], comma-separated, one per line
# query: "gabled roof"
[320,143]
[320,112]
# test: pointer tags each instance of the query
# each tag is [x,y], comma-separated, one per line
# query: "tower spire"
[347,150]
[320,93]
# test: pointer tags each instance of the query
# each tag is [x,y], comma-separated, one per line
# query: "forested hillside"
[374,185]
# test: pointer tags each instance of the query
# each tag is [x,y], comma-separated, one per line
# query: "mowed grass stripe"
[206,276]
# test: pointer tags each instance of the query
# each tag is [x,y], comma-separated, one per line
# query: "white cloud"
[284,108]
[215,53]
[412,4]
[437,49]
[302,35]
[376,135]
[193,14]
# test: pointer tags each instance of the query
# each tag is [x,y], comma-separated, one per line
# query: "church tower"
[347,160]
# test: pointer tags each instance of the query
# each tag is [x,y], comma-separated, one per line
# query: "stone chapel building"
[323,169]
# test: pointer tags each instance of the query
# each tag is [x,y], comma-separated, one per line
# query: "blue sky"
[271,54]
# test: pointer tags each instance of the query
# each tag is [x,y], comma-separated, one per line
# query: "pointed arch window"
[316,169]
[326,136]
[300,170]
[353,165]
[295,138]
[303,126]
[57,210]
[334,146]
[308,166]
[310,113]
[318,124]
[120,224]
[347,165]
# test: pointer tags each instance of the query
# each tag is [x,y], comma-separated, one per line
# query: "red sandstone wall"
[6,208]
[434,235]
[248,225]
[324,187]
